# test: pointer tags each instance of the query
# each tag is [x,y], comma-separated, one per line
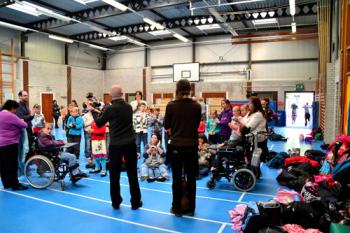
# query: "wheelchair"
[44,168]
[241,164]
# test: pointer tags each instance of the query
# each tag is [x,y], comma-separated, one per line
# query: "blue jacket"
[79,124]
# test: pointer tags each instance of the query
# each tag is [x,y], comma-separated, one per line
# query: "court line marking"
[91,213]
[142,208]
[271,146]
[168,192]
[222,228]
[221,190]
[241,197]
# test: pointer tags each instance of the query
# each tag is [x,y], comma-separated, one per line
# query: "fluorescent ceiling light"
[264,21]
[119,38]
[116,5]
[36,10]
[97,47]
[61,38]
[209,27]
[292,7]
[160,33]
[85,1]
[180,37]
[294,27]
[139,43]
[153,23]
[12,26]
[24,7]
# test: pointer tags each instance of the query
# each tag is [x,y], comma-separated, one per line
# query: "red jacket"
[301,159]
[98,133]
[201,129]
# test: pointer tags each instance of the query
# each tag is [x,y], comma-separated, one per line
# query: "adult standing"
[138,99]
[225,118]
[183,116]
[55,112]
[306,108]
[122,143]
[10,131]
[27,115]
[203,107]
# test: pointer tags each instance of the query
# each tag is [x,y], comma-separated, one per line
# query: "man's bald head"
[116,92]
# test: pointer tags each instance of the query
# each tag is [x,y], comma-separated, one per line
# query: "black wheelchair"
[241,164]
[45,167]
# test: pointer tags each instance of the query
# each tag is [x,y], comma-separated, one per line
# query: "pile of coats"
[321,184]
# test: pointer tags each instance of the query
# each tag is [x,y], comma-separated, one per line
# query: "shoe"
[94,171]
[75,179]
[116,207]
[19,187]
[161,179]
[176,213]
[83,175]
[90,165]
[103,174]
[151,179]
[135,207]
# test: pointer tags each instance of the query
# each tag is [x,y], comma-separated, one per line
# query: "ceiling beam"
[188,22]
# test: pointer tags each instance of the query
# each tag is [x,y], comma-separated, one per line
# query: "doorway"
[272,95]
[46,106]
[299,109]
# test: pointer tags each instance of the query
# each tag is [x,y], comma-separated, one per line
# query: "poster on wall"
[299,112]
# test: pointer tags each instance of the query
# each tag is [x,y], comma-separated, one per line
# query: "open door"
[46,106]
[299,109]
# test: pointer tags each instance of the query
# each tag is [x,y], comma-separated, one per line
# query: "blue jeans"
[154,172]
[87,137]
[141,137]
[71,161]
[101,163]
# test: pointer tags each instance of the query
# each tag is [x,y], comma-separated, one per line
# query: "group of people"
[117,130]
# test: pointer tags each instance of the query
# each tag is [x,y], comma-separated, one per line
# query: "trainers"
[94,171]
[135,207]
[151,179]
[103,174]
[176,213]
[161,179]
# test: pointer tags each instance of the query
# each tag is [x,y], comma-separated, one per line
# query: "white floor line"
[222,228]
[242,196]
[168,192]
[271,146]
[142,208]
[221,190]
[89,212]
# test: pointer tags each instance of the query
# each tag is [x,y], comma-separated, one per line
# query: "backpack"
[341,172]
[278,160]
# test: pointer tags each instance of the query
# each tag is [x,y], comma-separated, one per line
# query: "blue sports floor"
[86,207]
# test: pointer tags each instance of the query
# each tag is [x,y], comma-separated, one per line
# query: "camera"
[92,100]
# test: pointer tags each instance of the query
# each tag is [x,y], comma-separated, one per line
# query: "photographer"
[122,143]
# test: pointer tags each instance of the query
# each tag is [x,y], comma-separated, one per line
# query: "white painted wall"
[41,48]
[123,60]
[129,79]
[83,56]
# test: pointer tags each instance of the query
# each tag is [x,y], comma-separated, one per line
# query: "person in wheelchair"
[47,143]
[204,156]
[234,141]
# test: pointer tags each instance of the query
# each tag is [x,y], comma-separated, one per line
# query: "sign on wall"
[189,71]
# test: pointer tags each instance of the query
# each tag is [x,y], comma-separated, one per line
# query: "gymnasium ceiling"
[99,23]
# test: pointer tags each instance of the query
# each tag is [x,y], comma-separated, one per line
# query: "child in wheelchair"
[47,143]
[204,156]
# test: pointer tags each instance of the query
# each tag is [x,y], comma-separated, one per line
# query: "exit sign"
[299,87]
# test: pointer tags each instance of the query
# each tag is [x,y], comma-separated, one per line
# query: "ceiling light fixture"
[63,39]
[153,23]
[118,38]
[292,7]
[294,27]
[12,26]
[209,27]
[84,2]
[264,21]
[23,7]
[116,4]
[97,47]
[180,37]
[160,32]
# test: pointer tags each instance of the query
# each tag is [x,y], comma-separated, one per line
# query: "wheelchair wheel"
[39,172]
[244,180]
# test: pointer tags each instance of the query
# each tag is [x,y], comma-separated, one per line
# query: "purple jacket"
[48,142]
[225,118]
[10,128]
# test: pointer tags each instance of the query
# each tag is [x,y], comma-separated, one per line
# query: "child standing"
[213,127]
[140,119]
[99,151]
[201,128]
[38,121]
[75,124]
[156,123]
